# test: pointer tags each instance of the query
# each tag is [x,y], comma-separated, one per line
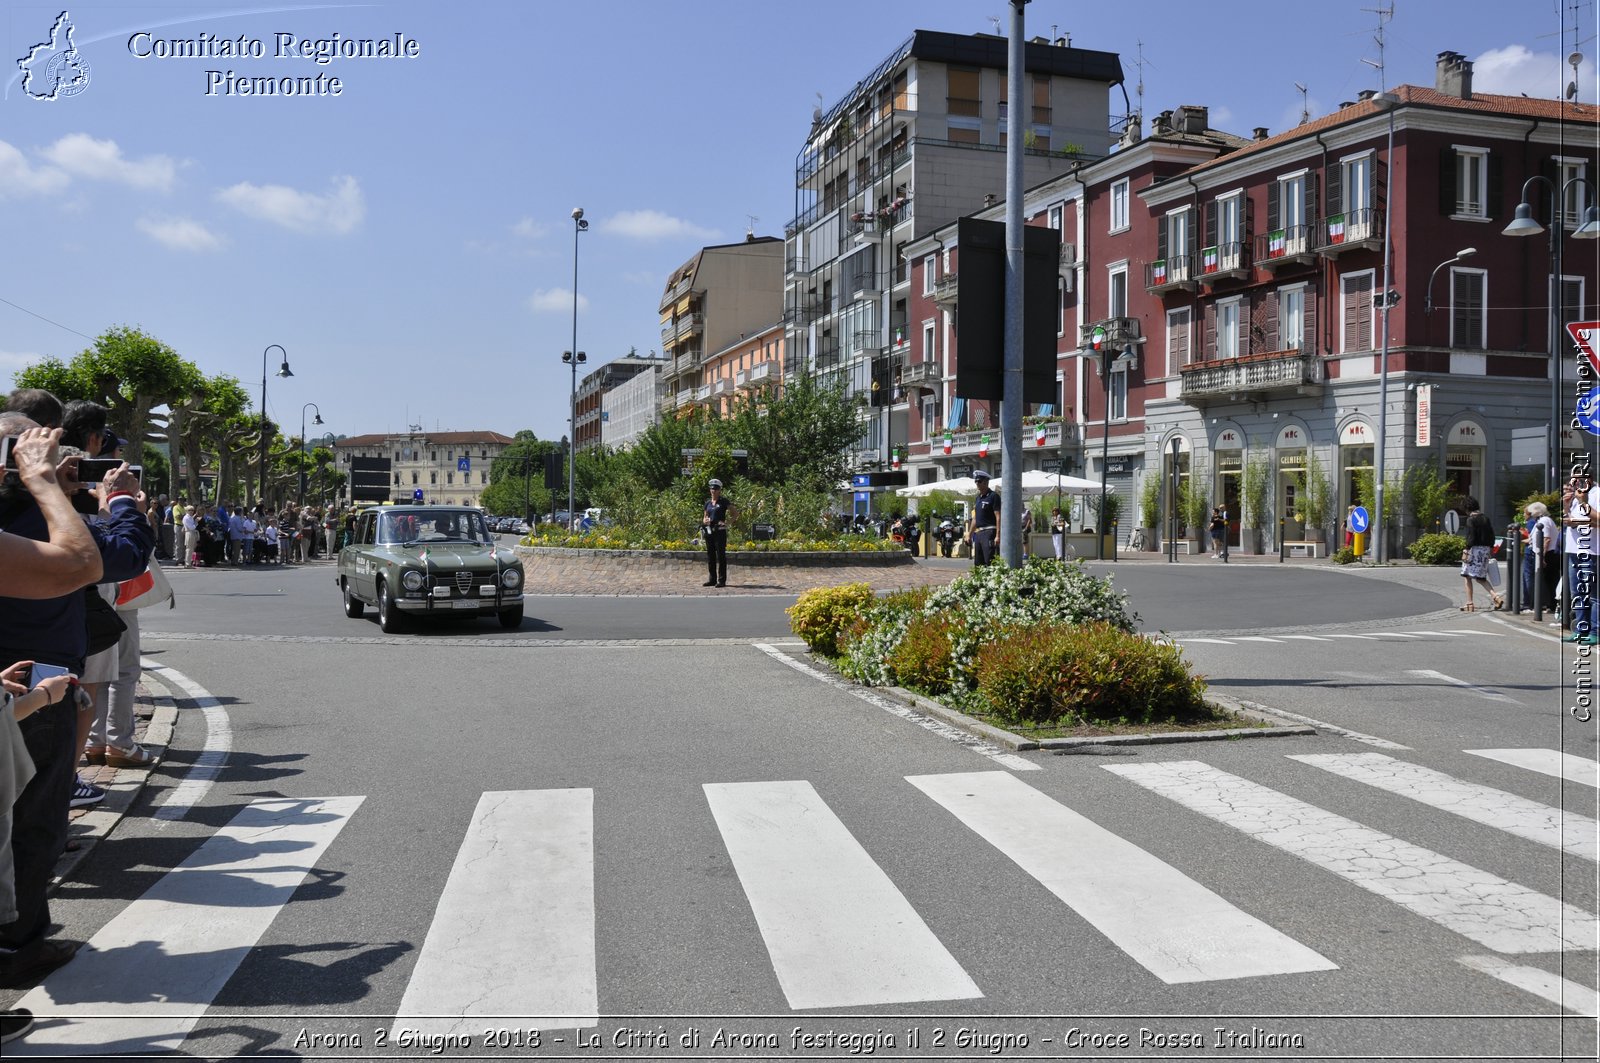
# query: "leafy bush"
[1437,549]
[924,657]
[1344,555]
[822,614]
[1085,673]
[867,644]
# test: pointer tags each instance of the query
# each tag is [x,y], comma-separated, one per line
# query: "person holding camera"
[714,530]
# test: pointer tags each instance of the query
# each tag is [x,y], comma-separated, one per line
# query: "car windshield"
[443,526]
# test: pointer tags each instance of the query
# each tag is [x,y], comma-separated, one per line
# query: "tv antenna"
[1384,15]
[1138,90]
[1305,103]
[751,228]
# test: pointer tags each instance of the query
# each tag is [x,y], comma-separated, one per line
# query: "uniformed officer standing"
[983,529]
[719,511]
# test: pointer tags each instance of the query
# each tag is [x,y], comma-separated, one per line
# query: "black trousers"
[717,555]
[39,817]
[983,544]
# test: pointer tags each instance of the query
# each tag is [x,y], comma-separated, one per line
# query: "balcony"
[689,324]
[1228,261]
[1253,375]
[868,342]
[684,397]
[677,291]
[1354,230]
[702,393]
[944,291]
[1289,246]
[722,386]
[1117,333]
[1170,274]
[925,375]
[757,375]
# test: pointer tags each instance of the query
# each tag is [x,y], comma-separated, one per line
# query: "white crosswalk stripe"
[514,933]
[142,982]
[1490,910]
[838,931]
[1546,762]
[1568,831]
[1174,927]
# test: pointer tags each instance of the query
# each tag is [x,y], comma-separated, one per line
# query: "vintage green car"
[428,561]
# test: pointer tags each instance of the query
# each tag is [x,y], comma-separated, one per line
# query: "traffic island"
[571,570]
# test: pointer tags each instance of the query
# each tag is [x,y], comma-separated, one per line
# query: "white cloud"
[19,177]
[1518,70]
[653,225]
[340,211]
[555,300]
[102,160]
[180,234]
[16,361]
[528,229]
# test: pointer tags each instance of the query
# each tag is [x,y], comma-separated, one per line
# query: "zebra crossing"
[837,930]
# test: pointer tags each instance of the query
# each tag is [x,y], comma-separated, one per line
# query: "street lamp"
[1386,101]
[283,371]
[1522,224]
[1465,252]
[574,356]
[318,420]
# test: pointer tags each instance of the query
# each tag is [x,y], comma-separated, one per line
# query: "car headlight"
[511,579]
[412,580]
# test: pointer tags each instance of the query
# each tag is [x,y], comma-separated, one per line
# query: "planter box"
[1249,540]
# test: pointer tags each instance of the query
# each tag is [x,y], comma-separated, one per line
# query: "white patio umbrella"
[1036,483]
[965,486]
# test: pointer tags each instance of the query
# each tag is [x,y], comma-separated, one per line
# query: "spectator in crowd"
[39,406]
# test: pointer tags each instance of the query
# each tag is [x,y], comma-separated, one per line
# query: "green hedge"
[1437,549]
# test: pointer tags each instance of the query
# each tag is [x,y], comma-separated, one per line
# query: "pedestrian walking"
[1541,558]
[1219,533]
[1475,561]
[983,527]
[714,530]
[1027,531]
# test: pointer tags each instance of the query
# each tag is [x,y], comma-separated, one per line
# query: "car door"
[364,551]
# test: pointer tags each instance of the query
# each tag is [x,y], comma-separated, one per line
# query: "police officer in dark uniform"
[983,530]
[714,530]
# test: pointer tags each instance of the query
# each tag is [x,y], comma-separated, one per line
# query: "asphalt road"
[715,773]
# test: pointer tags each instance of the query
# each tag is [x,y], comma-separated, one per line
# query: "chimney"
[1259,133]
[1366,94]
[1453,75]
[1132,133]
[1346,103]
[1193,119]
[1161,124]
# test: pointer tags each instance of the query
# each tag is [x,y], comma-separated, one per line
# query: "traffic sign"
[1452,522]
[1359,519]
[1584,334]
[1588,413]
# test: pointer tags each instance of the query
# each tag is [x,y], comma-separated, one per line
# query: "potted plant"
[1316,498]
[1195,502]
[1150,509]
[1108,508]
[1253,501]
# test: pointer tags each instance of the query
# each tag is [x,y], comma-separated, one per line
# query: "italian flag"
[1038,435]
[949,442]
[1275,244]
[983,446]
[1336,229]
[1158,271]
[894,460]
[1209,259]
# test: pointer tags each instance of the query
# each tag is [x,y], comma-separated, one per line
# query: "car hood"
[454,555]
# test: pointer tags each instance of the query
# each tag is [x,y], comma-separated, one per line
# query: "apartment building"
[590,428]
[742,368]
[449,468]
[721,296]
[919,141]
[630,408]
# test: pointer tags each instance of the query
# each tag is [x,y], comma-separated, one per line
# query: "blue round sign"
[1588,412]
[1360,520]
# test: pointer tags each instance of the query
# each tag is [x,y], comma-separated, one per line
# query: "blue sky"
[409,242]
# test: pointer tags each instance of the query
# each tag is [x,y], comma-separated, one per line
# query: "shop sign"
[1290,437]
[1229,439]
[1424,415]
[1355,434]
[1467,434]
[1461,458]
[1294,459]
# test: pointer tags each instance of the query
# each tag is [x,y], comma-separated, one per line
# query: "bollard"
[1514,570]
[1537,545]
[1283,547]
[1359,543]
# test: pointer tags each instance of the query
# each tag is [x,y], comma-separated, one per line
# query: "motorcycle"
[947,536]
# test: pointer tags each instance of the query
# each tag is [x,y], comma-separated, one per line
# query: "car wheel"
[354,607]
[512,617]
[389,618]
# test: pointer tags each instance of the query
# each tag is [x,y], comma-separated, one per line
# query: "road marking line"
[1578,999]
[1546,762]
[1469,631]
[1257,638]
[938,727]
[1214,642]
[1496,913]
[207,767]
[1451,634]
[514,930]
[838,931]
[1397,634]
[1521,630]
[145,980]
[1308,638]
[1571,833]
[1175,928]
[1343,732]
[1473,688]
[1368,638]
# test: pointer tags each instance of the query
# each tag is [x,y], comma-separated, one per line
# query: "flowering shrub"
[924,656]
[617,539]
[868,644]
[1437,549]
[1089,673]
[822,614]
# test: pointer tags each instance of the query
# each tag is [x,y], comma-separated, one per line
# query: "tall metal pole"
[283,371]
[1011,390]
[578,226]
[303,477]
[1379,525]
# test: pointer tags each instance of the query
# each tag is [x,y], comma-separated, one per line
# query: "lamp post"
[1387,101]
[317,421]
[1522,224]
[283,371]
[574,357]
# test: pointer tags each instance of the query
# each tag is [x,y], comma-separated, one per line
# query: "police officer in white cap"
[983,529]
[714,530]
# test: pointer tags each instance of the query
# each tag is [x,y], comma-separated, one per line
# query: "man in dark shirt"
[984,527]
[54,631]
[714,529]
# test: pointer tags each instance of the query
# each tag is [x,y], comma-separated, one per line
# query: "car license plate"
[463,603]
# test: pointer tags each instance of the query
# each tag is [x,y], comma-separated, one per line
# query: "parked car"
[413,561]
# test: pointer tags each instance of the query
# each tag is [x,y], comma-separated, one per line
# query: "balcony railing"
[1170,274]
[688,324]
[702,393]
[1354,230]
[1116,333]
[867,341]
[944,290]
[1226,261]
[922,375]
[760,374]
[1251,374]
[721,386]
[1284,247]
[684,397]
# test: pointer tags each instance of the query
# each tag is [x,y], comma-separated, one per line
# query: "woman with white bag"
[111,739]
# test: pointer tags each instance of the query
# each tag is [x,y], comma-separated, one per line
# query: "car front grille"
[463,581]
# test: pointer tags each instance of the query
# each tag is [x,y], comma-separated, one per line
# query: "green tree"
[800,434]
[516,476]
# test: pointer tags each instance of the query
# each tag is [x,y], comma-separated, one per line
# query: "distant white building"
[449,468]
[633,406]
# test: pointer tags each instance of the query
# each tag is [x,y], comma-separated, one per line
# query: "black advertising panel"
[369,479]
[980,310]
